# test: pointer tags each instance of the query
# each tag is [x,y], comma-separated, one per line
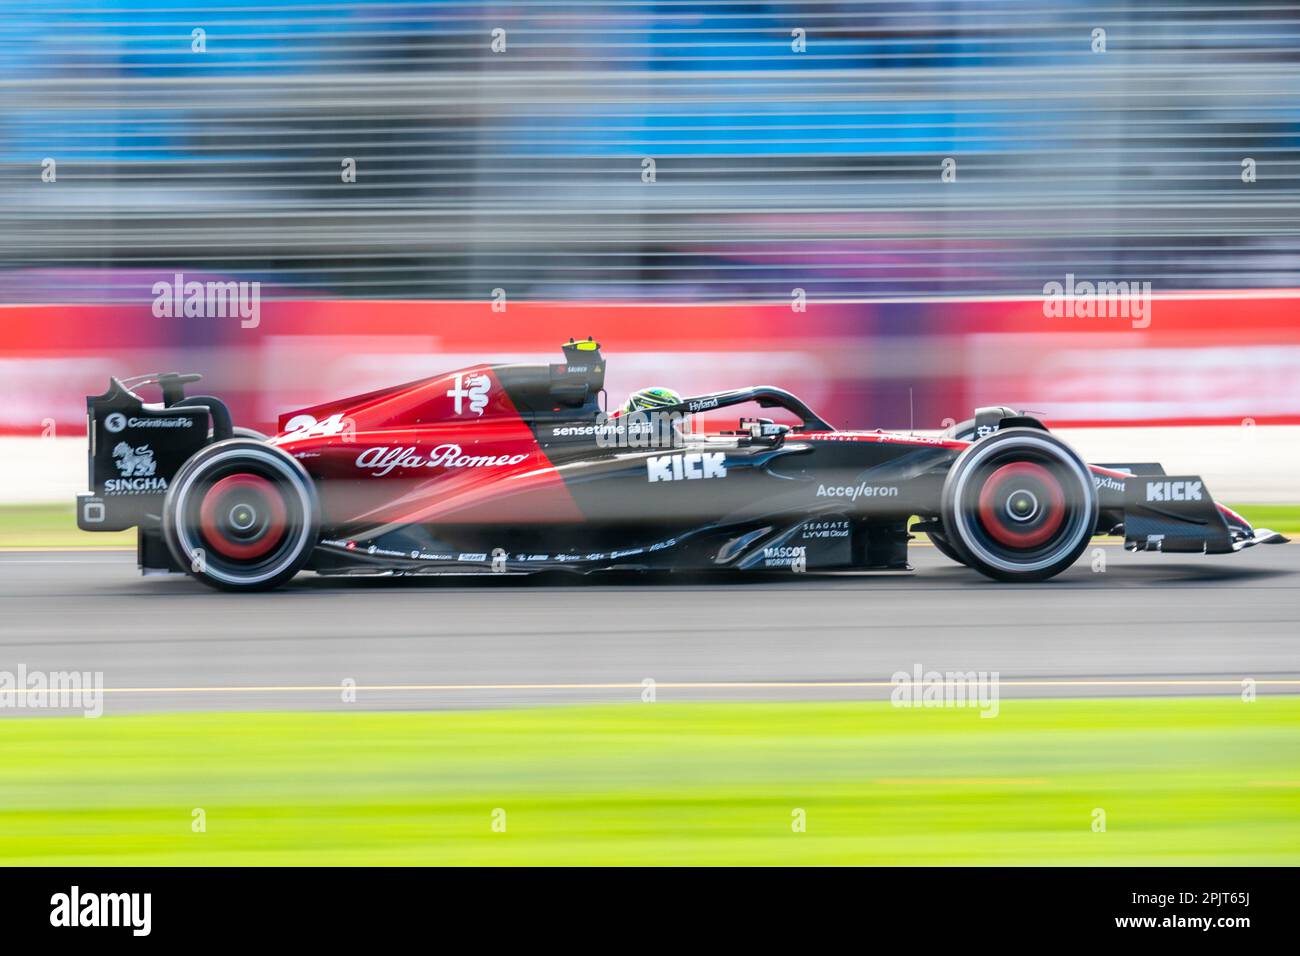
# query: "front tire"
[1019,505]
[241,516]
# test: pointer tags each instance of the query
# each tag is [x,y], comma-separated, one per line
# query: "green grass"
[1181,781]
[1283,518]
[55,526]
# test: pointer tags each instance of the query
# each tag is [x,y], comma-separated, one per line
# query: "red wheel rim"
[1013,482]
[253,493]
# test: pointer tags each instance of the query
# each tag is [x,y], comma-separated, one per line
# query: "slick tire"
[1019,505]
[241,515]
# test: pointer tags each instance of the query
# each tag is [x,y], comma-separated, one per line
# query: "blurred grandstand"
[522,169]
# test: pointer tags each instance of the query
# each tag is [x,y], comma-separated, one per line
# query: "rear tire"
[241,516]
[1019,505]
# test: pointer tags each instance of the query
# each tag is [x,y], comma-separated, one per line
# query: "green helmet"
[650,398]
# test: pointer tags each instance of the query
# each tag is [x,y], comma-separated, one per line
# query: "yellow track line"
[679,685]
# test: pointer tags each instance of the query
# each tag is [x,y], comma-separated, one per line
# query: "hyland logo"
[688,467]
[949,689]
[75,908]
[208,300]
[475,388]
[854,492]
[53,690]
[1104,300]
[1173,491]
[136,465]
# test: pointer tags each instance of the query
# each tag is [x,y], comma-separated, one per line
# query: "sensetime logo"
[640,429]
[76,908]
[1101,300]
[53,690]
[975,689]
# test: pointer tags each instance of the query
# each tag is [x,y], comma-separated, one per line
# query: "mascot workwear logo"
[76,908]
[136,465]
[687,467]
[1173,491]
[475,388]
[382,459]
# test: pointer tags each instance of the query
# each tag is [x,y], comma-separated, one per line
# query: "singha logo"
[498,560]
[475,388]
[134,462]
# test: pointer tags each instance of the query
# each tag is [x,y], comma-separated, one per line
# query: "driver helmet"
[648,399]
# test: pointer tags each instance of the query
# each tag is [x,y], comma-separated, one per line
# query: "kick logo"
[1173,491]
[475,388]
[688,467]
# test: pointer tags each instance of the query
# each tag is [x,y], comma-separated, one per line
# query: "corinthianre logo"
[76,908]
[208,300]
[53,690]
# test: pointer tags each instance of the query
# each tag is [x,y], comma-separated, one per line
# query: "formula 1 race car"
[518,469]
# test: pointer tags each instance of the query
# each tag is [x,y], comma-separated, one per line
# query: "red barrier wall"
[1202,359]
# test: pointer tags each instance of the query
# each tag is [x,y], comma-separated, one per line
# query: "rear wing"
[136,447]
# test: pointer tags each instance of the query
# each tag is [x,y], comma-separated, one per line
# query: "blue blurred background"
[523,169]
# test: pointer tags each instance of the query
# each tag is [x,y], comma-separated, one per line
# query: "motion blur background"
[794,146]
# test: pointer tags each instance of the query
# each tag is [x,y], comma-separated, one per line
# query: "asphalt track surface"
[1148,624]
